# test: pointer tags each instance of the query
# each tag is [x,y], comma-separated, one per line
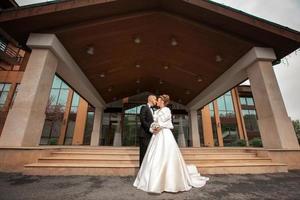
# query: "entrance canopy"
[160,46]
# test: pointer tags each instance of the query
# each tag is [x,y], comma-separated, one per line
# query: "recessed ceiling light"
[137,40]
[166,67]
[138,81]
[219,58]
[174,42]
[90,50]
[199,79]
[161,82]
[109,89]
[137,65]
[102,75]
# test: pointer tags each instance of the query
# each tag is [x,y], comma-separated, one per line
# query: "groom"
[146,118]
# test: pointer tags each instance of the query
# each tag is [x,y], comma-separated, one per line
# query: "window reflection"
[15,94]
[58,121]
[72,119]
[4,89]
[54,112]
[89,125]
[181,128]
[250,117]
[227,119]
[109,125]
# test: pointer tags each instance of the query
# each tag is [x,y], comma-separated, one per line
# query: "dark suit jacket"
[146,119]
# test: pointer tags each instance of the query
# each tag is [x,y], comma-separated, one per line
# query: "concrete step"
[126,160]
[136,149]
[136,156]
[215,156]
[181,149]
[122,161]
[137,153]
[243,168]
[132,169]
[226,160]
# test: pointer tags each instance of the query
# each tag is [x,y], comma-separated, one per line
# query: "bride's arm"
[166,118]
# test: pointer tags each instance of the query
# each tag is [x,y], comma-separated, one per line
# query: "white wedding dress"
[163,167]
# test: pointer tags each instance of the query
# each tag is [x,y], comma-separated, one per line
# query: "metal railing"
[11,53]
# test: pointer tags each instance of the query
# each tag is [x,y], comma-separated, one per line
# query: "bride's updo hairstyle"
[165,98]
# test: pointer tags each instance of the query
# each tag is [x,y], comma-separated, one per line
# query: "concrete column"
[181,137]
[275,126]
[97,126]
[24,123]
[194,129]
[118,137]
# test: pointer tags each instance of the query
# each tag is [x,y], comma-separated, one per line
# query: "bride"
[163,167]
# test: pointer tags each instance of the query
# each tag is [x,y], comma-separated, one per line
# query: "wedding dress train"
[163,167]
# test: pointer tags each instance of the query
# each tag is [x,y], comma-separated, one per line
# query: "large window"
[181,128]
[131,125]
[135,110]
[72,119]
[109,125]
[4,89]
[228,119]
[15,94]
[31,2]
[89,125]
[55,112]
[60,122]
[247,101]
[250,117]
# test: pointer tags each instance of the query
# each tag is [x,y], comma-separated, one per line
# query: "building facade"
[69,117]
[80,78]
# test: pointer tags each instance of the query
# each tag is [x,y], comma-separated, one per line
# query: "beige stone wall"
[289,156]
[14,159]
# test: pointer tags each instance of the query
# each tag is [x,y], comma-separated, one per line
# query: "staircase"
[124,161]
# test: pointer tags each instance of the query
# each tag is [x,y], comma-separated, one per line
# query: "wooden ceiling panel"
[203,31]
[116,54]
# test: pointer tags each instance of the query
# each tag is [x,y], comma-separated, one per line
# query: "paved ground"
[268,186]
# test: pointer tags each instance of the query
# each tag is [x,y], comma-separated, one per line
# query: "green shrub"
[53,141]
[240,143]
[256,142]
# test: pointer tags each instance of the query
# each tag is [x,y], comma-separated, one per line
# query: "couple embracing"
[162,167]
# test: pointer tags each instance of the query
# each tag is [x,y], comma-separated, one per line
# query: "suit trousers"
[144,142]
